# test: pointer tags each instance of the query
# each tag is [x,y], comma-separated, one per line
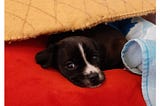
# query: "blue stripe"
[147,71]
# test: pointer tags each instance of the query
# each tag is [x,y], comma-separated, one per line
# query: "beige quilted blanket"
[30,18]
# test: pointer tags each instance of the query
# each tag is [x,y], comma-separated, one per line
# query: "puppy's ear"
[45,58]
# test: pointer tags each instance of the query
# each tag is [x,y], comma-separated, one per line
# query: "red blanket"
[27,84]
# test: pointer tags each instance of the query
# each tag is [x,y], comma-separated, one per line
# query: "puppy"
[81,56]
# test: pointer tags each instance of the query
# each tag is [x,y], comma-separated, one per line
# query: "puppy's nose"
[93,77]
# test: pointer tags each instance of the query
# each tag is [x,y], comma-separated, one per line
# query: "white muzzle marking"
[89,68]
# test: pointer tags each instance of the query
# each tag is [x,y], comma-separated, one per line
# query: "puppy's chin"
[95,86]
[86,83]
[89,84]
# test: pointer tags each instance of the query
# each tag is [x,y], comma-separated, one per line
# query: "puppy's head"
[77,58]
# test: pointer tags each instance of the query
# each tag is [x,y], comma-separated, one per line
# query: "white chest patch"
[89,68]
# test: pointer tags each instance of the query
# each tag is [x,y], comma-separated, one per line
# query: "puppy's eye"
[94,57]
[70,66]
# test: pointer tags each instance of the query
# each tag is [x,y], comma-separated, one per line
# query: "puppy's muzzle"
[93,77]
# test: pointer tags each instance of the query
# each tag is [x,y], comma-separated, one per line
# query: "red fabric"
[27,84]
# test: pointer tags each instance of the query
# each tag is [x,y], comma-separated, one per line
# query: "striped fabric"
[139,53]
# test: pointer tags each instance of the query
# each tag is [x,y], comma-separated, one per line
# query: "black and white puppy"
[82,55]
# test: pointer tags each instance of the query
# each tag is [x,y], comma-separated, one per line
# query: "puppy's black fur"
[81,55]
